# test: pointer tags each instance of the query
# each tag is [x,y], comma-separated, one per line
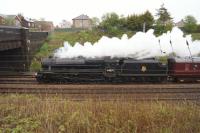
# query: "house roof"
[9,16]
[29,20]
[81,17]
[14,16]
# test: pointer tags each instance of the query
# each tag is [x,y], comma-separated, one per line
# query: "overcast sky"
[57,10]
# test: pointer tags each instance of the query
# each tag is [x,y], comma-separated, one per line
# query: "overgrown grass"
[26,113]
[73,37]
[45,51]
[84,36]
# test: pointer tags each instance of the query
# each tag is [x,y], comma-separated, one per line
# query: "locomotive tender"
[118,70]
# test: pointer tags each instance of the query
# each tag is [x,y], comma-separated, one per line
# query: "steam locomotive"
[119,70]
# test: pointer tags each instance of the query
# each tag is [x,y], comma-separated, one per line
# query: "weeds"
[21,113]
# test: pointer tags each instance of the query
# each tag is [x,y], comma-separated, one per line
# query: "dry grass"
[25,113]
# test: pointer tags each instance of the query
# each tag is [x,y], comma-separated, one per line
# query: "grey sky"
[57,10]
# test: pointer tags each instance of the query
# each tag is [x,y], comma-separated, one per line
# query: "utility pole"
[172,47]
[189,50]
[162,52]
[144,27]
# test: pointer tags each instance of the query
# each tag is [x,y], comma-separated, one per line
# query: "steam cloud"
[141,45]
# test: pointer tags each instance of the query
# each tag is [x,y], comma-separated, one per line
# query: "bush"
[159,29]
[35,66]
[190,24]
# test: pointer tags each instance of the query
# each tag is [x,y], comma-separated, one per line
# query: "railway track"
[31,79]
[109,92]
[25,83]
[17,78]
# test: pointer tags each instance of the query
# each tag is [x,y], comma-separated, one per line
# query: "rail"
[172,92]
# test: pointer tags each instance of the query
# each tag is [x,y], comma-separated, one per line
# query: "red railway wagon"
[186,69]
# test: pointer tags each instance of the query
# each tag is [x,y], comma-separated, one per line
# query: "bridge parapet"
[17,47]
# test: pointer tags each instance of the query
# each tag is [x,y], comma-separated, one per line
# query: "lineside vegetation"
[28,113]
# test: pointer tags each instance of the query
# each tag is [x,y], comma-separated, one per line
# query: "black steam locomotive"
[64,70]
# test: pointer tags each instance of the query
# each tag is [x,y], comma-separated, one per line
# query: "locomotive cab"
[144,70]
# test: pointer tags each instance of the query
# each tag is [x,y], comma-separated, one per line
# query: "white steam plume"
[141,45]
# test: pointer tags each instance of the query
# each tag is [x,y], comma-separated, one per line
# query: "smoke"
[141,45]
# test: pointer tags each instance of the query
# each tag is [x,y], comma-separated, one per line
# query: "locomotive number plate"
[144,69]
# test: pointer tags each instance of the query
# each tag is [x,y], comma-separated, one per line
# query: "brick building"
[82,21]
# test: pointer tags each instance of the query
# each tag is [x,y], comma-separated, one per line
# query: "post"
[172,47]
[25,48]
[160,46]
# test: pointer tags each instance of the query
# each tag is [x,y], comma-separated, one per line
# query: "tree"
[164,22]
[190,24]
[95,21]
[164,16]
[112,24]
[109,20]
[136,22]
[133,23]
[198,28]
[160,29]
[148,19]
[115,25]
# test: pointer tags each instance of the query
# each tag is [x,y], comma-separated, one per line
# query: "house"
[16,20]
[44,25]
[28,23]
[13,20]
[82,21]
[179,24]
[21,21]
[65,24]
